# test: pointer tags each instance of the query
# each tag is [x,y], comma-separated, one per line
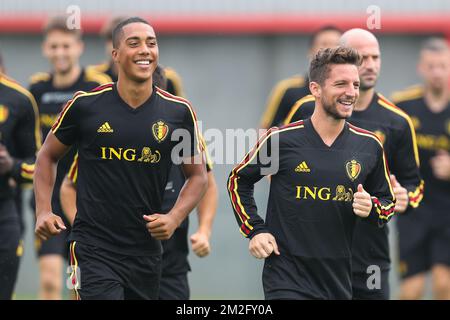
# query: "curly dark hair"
[319,67]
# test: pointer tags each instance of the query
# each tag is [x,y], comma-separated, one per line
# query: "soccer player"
[288,91]
[63,48]
[326,175]
[167,78]
[424,238]
[395,129]
[19,141]
[126,138]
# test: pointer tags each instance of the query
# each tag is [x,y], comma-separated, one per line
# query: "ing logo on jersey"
[342,195]
[148,156]
[353,169]
[160,130]
[4,113]
[380,134]
[447,127]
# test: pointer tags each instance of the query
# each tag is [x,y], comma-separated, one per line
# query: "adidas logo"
[105,128]
[302,167]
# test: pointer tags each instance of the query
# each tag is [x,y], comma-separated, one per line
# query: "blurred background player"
[288,91]
[20,138]
[62,47]
[168,76]
[395,129]
[424,237]
[175,266]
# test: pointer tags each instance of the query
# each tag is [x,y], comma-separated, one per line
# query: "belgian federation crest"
[160,130]
[353,169]
[4,113]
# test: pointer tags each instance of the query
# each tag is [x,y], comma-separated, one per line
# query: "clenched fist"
[401,194]
[262,245]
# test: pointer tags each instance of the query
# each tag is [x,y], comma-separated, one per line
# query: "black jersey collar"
[143,106]
[317,141]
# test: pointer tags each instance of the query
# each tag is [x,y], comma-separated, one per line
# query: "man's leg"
[50,268]
[412,287]
[440,260]
[93,276]
[51,255]
[441,281]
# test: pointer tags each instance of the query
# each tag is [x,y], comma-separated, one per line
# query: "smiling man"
[395,130]
[123,134]
[331,174]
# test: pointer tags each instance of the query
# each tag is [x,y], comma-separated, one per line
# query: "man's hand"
[6,162]
[440,164]
[362,202]
[401,194]
[161,226]
[48,224]
[262,245]
[200,244]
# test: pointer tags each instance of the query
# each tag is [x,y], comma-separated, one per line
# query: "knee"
[412,289]
[441,282]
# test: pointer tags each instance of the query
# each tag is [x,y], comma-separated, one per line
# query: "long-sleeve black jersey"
[124,158]
[433,134]
[312,185]
[396,131]
[282,98]
[19,132]
[50,102]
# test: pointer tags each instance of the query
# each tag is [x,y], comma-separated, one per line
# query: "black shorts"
[10,248]
[98,274]
[287,277]
[423,243]
[376,289]
[174,287]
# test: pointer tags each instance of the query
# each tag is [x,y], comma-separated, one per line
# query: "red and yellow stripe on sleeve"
[233,181]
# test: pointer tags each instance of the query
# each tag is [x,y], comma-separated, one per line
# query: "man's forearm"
[207,207]
[44,180]
[190,195]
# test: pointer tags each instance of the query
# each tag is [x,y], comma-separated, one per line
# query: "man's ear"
[114,55]
[315,89]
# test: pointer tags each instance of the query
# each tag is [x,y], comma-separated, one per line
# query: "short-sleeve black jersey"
[19,132]
[310,210]
[433,134]
[50,102]
[282,98]
[395,130]
[124,158]
[175,249]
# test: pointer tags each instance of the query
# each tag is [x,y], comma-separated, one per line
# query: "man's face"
[371,64]
[340,91]
[325,39]
[63,50]
[137,53]
[434,67]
